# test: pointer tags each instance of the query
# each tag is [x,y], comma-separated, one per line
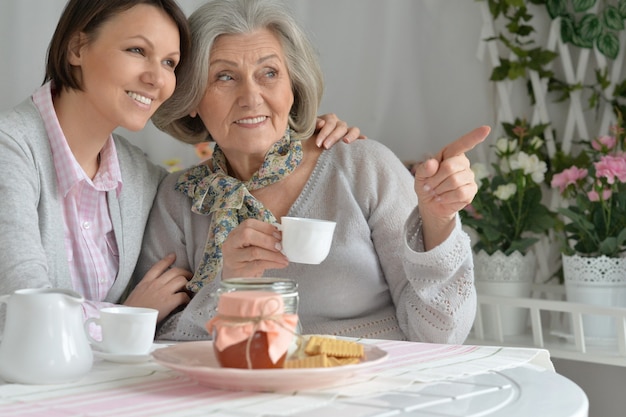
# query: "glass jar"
[251,330]
[287,288]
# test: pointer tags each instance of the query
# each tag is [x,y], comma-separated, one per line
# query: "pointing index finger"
[465,143]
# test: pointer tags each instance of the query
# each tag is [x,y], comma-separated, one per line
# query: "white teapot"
[44,340]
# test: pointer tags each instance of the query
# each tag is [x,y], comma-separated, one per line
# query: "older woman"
[395,270]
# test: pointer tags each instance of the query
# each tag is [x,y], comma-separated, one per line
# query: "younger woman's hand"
[331,130]
[162,288]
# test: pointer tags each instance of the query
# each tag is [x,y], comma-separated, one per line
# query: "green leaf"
[516,3]
[620,89]
[590,27]
[494,8]
[540,57]
[556,8]
[491,234]
[594,99]
[608,246]
[567,28]
[500,73]
[579,221]
[524,30]
[621,238]
[602,77]
[621,7]
[516,70]
[521,245]
[612,18]
[583,5]
[542,219]
[608,45]
[580,42]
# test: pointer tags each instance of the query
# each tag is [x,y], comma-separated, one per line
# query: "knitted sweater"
[377,281]
[32,243]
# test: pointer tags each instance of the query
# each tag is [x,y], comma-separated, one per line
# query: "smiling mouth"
[251,121]
[139,98]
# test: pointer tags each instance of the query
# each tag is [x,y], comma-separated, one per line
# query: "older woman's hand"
[331,130]
[251,248]
[444,185]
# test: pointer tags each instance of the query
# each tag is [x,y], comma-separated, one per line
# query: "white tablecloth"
[416,378]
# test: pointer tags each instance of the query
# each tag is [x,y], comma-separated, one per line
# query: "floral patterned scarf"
[229,201]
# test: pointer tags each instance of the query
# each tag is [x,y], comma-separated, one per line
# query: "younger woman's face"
[127,68]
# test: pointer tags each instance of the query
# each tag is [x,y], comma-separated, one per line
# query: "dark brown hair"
[87,16]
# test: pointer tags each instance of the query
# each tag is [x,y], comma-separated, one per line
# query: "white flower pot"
[505,276]
[597,281]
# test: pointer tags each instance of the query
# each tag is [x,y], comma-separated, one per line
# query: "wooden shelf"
[553,324]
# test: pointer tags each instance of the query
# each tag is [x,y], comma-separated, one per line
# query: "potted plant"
[535,41]
[594,243]
[507,213]
[508,217]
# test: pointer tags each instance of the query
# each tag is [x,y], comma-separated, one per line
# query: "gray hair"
[220,17]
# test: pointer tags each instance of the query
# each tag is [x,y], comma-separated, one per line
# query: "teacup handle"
[280,228]
[96,321]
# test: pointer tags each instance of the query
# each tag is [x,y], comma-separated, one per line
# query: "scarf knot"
[228,200]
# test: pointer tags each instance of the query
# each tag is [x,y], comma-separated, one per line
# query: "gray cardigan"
[32,248]
[377,281]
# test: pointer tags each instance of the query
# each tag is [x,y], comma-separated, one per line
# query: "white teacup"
[306,241]
[125,330]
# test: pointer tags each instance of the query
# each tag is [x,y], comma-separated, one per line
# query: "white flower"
[505,166]
[480,172]
[531,165]
[504,192]
[536,142]
[504,145]
[538,175]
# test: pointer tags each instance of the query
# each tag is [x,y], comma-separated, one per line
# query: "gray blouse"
[377,281]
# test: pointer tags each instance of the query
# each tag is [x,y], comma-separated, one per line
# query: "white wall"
[404,71]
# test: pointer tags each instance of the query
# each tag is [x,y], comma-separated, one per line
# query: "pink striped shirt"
[90,242]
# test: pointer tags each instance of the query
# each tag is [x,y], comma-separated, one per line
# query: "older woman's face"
[248,97]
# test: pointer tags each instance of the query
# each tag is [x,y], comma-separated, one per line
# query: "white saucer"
[113,357]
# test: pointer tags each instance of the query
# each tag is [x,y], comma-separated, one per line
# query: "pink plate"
[197,361]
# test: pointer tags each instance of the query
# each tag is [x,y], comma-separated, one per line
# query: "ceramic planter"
[505,276]
[598,281]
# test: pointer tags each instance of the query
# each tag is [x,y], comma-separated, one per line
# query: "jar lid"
[250,304]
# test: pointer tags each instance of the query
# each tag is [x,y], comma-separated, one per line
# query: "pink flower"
[519,131]
[611,167]
[594,196]
[616,130]
[568,176]
[472,212]
[604,143]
